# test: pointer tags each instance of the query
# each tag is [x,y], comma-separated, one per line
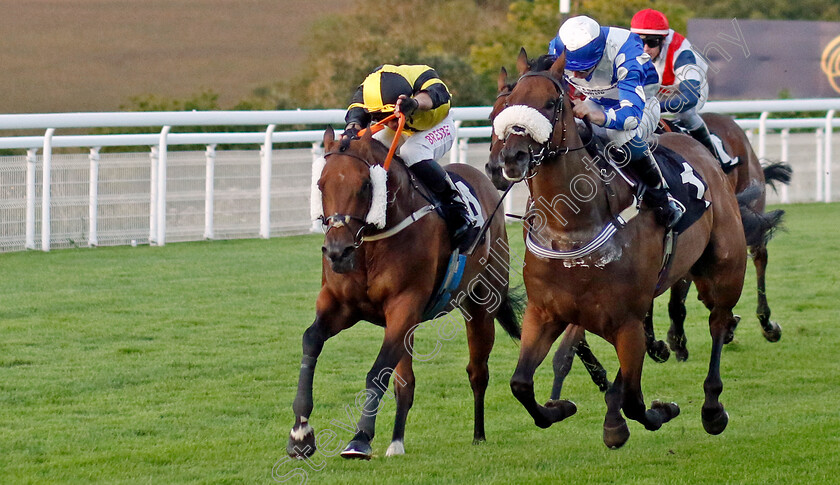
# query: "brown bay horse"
[387,276]
[748,180]
[609,291]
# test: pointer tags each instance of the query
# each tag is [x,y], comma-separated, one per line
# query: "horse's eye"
[366,188]
[550,104]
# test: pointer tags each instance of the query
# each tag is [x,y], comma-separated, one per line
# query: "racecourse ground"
[179,364]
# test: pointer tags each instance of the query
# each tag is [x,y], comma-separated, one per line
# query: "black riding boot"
[665,208]
[458,222]
[702,135]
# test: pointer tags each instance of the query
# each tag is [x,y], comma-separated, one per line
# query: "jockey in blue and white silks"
[608,69]
[684,86]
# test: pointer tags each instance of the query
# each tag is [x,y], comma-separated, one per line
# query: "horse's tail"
[777,172]
[758,226]
[510,310]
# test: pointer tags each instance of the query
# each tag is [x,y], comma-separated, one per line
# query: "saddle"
[685,184]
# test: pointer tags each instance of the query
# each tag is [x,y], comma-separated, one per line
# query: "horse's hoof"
[717,424]
[774,333]
[615,437]
[396,448]
[301,442]
[668,410]
[358,450]
[678,347]
[659,351]
[479,441]
[558,410]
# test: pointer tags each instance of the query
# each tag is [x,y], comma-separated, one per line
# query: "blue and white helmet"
[584,42]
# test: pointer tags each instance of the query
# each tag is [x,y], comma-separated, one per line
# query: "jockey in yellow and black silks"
[418,92]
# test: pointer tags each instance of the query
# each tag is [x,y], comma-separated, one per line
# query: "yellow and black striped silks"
[379,91]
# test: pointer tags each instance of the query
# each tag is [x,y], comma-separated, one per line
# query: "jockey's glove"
[352,130]
[408,106]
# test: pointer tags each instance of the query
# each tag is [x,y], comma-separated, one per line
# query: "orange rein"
[378,126]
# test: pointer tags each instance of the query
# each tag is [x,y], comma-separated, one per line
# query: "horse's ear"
[502,82]
[522,62]
[559,66]
[329,136]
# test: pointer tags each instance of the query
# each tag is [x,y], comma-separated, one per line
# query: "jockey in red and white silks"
[684,87]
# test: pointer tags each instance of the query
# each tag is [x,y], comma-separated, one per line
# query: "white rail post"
[153,198]
[783,190]
[819,161]
[209,189]
[31,159]
[93,192]
[463,150]
[161,193]
[454,155]
[509,207]
[827,164]
[762,135]
[45,190]
[317,151]
[265,184]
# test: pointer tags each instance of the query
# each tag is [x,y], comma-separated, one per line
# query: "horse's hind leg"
[480,337]
[404,389]
[771,330]
[676,311]
[327,323]
[630,346]
[574,342]
[721,322]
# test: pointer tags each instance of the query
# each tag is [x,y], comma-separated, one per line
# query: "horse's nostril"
[347,251]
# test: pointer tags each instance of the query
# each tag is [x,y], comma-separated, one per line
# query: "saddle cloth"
[685,185]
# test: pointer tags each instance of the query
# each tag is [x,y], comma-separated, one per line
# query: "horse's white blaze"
[520,118]
[396,448]
[300,433]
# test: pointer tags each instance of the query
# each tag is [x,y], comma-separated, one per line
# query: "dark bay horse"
[609,291]
[749,180]
[387,274]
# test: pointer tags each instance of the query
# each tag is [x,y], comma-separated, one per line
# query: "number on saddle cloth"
[685,185]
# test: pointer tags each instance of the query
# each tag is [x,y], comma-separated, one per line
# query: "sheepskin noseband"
[519,118]
[379,203]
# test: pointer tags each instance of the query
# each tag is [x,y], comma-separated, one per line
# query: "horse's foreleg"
[630,347]
[400,317]
[537,336]
[404,390]
[656,349]
[328,323]
[676,311]
[480,337]
[771,330]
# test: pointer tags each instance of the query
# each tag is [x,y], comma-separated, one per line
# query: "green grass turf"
[179,364]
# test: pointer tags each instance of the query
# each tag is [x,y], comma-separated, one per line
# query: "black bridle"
[338,220]
[546,150]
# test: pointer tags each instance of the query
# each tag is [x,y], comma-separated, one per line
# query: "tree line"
[466,41]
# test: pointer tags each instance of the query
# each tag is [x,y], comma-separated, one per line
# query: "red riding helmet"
[649,22]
